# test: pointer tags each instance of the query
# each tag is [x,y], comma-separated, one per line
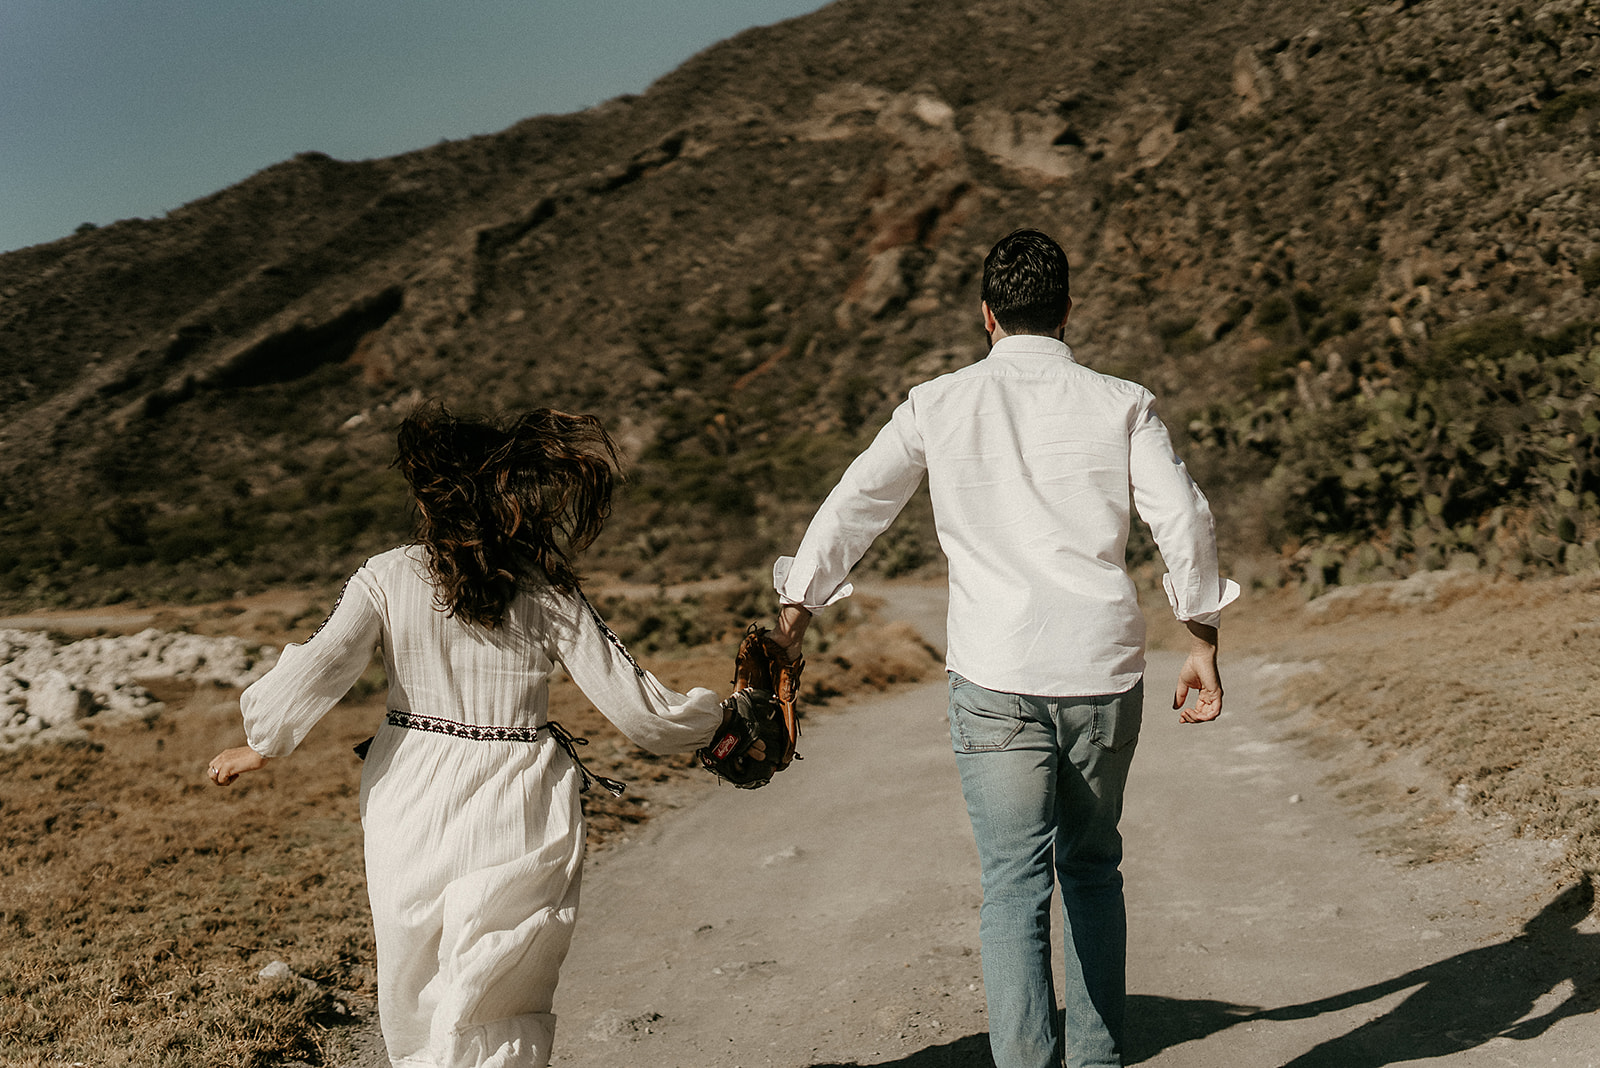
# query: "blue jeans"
[1043,779]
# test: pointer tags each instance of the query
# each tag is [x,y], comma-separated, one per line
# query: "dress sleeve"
[282,706]
[653,716]
[1179,517]
[870,494]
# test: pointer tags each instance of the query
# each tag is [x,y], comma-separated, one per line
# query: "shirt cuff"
[780,576]
[1211,617]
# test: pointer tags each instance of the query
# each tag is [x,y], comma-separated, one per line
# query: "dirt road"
[831,918]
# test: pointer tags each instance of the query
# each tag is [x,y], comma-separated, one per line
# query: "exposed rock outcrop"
[50,690]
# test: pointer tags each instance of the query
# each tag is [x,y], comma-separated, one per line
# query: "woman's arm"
[652,715]
[282,706]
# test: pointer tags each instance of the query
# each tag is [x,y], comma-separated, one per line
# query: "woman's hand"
[229,764]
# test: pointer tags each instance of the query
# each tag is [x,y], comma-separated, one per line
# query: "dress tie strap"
[566,741]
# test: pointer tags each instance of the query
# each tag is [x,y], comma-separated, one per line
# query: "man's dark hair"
[1025,283]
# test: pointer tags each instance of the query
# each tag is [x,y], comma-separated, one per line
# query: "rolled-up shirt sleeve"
[282,706]
[653,716]
[872,492]
[1179,518]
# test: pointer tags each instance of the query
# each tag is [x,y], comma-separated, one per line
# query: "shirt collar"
[1030,345]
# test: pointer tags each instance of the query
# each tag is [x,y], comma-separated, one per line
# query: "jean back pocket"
[981,720]
[1118,717]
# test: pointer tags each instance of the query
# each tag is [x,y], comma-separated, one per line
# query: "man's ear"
[1066,315]
[990,323]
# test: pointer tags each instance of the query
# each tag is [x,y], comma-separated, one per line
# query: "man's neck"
[999,334]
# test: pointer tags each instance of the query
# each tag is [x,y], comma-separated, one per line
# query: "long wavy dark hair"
[497,502]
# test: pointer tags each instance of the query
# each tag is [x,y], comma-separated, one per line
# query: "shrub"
[1589,273]
[1490,446]
[1273,310]
[1564,108]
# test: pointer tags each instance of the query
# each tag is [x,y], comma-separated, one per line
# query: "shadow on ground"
[1157,1023]
[969,1052]
[1466,1000]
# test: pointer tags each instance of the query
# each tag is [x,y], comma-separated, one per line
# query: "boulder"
[58,701]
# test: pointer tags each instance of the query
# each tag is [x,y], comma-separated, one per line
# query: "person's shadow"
[1466,1000]
[1460,1002]
[1155,1023]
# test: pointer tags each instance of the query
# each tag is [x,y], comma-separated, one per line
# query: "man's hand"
[793,619]
[1199,673]
[229,764]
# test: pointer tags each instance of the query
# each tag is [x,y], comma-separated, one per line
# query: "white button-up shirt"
[1032,462]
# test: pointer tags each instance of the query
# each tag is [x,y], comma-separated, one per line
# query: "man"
[1031,461]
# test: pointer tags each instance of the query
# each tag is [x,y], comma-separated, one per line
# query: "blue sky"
[115,109]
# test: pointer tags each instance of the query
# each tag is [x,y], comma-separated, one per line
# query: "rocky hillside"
[1354,248]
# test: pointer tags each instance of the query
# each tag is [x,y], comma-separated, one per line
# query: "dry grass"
[1486,698]
[139,902]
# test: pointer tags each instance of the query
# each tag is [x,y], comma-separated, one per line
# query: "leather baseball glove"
[763,725]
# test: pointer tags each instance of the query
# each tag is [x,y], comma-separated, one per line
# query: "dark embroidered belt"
[481,732]
[478,732]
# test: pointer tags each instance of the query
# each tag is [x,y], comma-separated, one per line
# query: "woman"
[469,796]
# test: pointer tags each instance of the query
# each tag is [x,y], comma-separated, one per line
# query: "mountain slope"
[1274,209]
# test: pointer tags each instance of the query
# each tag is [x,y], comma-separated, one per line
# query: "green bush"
[1273,310]
[1490,447]
[1589,273]
[1565,107]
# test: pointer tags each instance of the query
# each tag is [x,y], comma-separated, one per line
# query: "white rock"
[56,700]
[46,687]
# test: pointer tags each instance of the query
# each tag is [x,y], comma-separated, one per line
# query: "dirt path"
[1251,885]
[831,919]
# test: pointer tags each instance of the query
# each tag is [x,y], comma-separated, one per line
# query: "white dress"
[474,832]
